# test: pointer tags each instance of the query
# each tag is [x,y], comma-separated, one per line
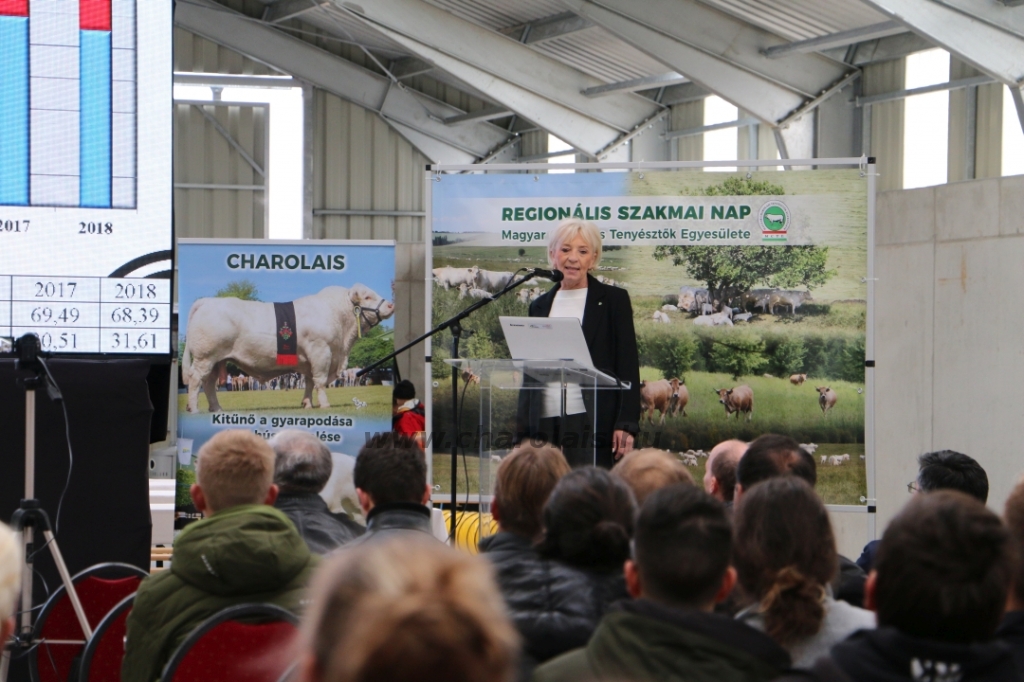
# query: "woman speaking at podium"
[606,315]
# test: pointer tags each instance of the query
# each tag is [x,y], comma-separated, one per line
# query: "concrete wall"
[948,335]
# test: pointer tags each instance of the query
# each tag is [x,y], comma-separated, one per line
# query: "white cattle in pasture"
[715,320]
[492,281]
[448,277]
[328,323]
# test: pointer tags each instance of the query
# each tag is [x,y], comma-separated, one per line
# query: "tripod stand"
[30,514]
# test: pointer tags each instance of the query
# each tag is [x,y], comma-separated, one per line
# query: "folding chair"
[103,653]
[245,643]
[58,636]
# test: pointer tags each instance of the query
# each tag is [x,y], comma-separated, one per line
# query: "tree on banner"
[732,271]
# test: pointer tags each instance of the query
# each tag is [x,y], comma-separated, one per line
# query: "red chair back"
[57,630]
[103,654]
[226,649]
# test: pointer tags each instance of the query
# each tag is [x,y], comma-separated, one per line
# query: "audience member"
[720,469]
[680,569]
[941,470]
[773,455]
[301,469]
[406,610]
[1011,630]
[10,580]
[407,415]
[542,595]
[785,555]
[939,588]
[650,469]
[391,483]
[588,524]
[244,551]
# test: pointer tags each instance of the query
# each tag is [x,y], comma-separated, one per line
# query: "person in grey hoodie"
[785,555]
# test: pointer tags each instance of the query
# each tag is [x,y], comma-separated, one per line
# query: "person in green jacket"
[244,551]
[679,571]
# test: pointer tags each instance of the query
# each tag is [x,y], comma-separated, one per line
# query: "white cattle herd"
[244,332]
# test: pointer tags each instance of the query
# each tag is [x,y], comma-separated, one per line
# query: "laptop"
[548,338]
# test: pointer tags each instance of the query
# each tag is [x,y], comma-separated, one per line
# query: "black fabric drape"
[106,511]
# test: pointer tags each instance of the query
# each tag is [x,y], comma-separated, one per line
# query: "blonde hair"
[401,610]
[10,571]
[235,467]
[650,469]
[568,230]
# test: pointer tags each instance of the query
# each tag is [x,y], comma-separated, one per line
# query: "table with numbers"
[88,314]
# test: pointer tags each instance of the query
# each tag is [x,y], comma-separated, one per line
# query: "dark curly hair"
[589,520]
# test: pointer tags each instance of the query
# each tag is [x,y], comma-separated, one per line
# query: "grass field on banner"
[377,399]
[844,484]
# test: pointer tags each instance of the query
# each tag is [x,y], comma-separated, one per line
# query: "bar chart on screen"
[69,116]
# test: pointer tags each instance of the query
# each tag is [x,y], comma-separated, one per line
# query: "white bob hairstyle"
[568,230]
[10,571]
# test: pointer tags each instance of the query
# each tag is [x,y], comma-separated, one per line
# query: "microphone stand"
[454,323]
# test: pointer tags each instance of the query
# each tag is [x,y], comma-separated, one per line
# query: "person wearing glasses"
[940,470]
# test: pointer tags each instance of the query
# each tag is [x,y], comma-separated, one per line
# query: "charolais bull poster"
[271,337]
[748,291]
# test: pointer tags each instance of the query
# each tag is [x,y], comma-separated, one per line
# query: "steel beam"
[972,82]
[224,80]
[718,52]
[415,116]
[407,67]
[232,142]
[283,10]
[548,28]
[645,83]
[839,39]
[681,94]
[700,130]
[1017,93]
[880,49]
[1000,16]
[487,114]
[994,50]
[492,62]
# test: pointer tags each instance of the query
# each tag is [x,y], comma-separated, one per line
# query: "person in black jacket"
[391,482]
[606,315]
[301,468]
[680,569]
[543,595]
[939,588]
[588,525]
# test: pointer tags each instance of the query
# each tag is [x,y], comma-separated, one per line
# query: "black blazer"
[608,329]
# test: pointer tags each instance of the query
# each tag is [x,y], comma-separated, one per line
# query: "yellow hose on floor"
[467,528]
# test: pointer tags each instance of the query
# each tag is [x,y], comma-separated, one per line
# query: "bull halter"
[359,312]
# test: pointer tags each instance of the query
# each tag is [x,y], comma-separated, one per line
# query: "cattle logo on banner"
[271,337]
[748,293]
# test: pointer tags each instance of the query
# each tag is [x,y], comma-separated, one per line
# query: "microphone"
[553,275]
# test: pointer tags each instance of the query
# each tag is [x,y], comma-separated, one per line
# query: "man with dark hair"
[1011,630]
[391,483]
[301,468]
[940,470]
[939,589]
[679,571]
[720,470]
[949,470]
[773,455]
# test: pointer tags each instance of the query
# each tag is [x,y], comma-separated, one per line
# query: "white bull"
[222,329]
[453,277]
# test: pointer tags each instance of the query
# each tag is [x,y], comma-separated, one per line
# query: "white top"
[567,303]
[841,621]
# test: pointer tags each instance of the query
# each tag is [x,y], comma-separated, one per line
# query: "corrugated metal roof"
[498,14]
[343,25]
[597,52]
[800,19]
